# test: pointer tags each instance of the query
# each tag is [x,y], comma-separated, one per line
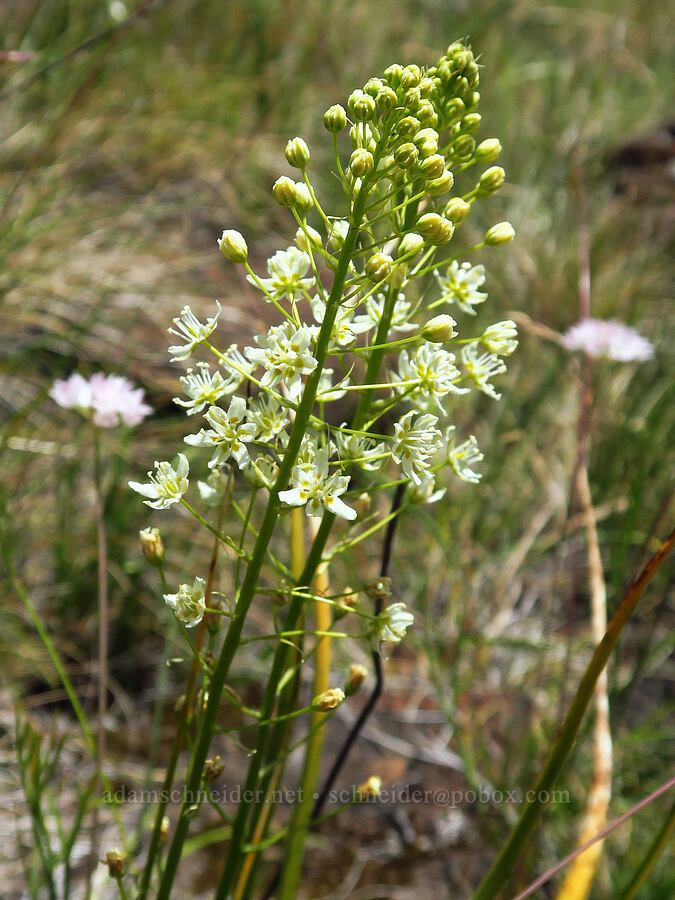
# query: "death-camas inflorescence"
[374,307]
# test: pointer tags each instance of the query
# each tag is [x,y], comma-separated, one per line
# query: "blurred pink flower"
[110,400]
[608,340]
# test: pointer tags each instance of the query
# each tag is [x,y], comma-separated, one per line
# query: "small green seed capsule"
[488,151]
[441,185]
[335,119]
[361,162]
[501,233]
[457,210]
[297,153]
[435,229]
[490,181]
[379,267]
[361,106]
[406,155]
[284,191]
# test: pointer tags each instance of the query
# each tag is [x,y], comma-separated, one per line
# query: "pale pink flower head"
[109,400]
[608,339]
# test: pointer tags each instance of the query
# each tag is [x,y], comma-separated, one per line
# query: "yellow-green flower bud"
[501,233]
[304,238]
[411,76]
[433,166]
[233,246]
[426,86]
[490,181]
[472,74]
[411,98]
[303,198]
[387,99]
[408,126]
[406,155]
[151,545]
[361,106]
[426,142]
[284,191]
[439,329]
[411,244]
[328,700]
[463,147]
[392,75]
[357,675]
[379,267]
[473,100]
[457,210]
[442,184]
[361,162]
[454,110]
[297,153]
[373,86]
[398,276]
[435,229]
[462,58]
[370,789]
[471,123]
[426,113]
[335,119]
[114,860]
[488,151]
[337,234]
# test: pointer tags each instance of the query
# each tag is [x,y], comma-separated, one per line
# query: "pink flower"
[109,400]
[609,340]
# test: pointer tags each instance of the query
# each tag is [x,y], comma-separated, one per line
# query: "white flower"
[463,456]
[287,269]
[167,486]
[285,355]
[188,604]
[109,400]
[482,368]
[390,625]
[347,325]
[435,371]
[400,318]
[460,285]
[229,434]
[337,234]
[500,338]
[212,491]
[190,330]
[269,417]
[609,340]
[314,488]
[204,389]
[357,448]
[326,391]
[425,491]
[237,365]
[415,442]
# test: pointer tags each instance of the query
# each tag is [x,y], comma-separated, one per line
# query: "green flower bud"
[426,142]
[442,184]
[411,76]
[361,162]
[406,155]
[488,151]
[440,329]
[379,267]
[151,544]
[114,860]
[457,210]
[427,87]
[357,675]
[398,276]
[387,99]
[501,233]
[472,100]
[297,153]
[233,246]
[432,167]
[303,198]
[454,110]
[408,127]
[412,98]
[284,191]
[490,181]
[330,699]
[373,86]
[435,229]
[411,244]
[337,234]
[462,58]
[335,119]
[309,237]
[392,75]
[472,74]
[426,113]
[471,123]
[361,106]
[463,147]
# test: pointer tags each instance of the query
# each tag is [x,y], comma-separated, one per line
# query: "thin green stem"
[655,850]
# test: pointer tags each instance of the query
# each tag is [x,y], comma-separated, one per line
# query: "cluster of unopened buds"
[367,305]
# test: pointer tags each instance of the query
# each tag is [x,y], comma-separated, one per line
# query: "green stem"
[656,848]
[510,853]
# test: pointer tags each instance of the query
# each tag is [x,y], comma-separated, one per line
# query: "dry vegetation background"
[119,167]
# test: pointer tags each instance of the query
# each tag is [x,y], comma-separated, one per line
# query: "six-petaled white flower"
[314,488]
[481,368]
[228,435]
[189,329]
[166,486]
[415,442]
[460,285]
[390,625]
[188,603]
[463,456]
[362,450]
[269,417]
[204,388]
[284,352]
[287,269]
[427,376]
[348,326]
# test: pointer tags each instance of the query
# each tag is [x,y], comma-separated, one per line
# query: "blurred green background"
[122,160]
